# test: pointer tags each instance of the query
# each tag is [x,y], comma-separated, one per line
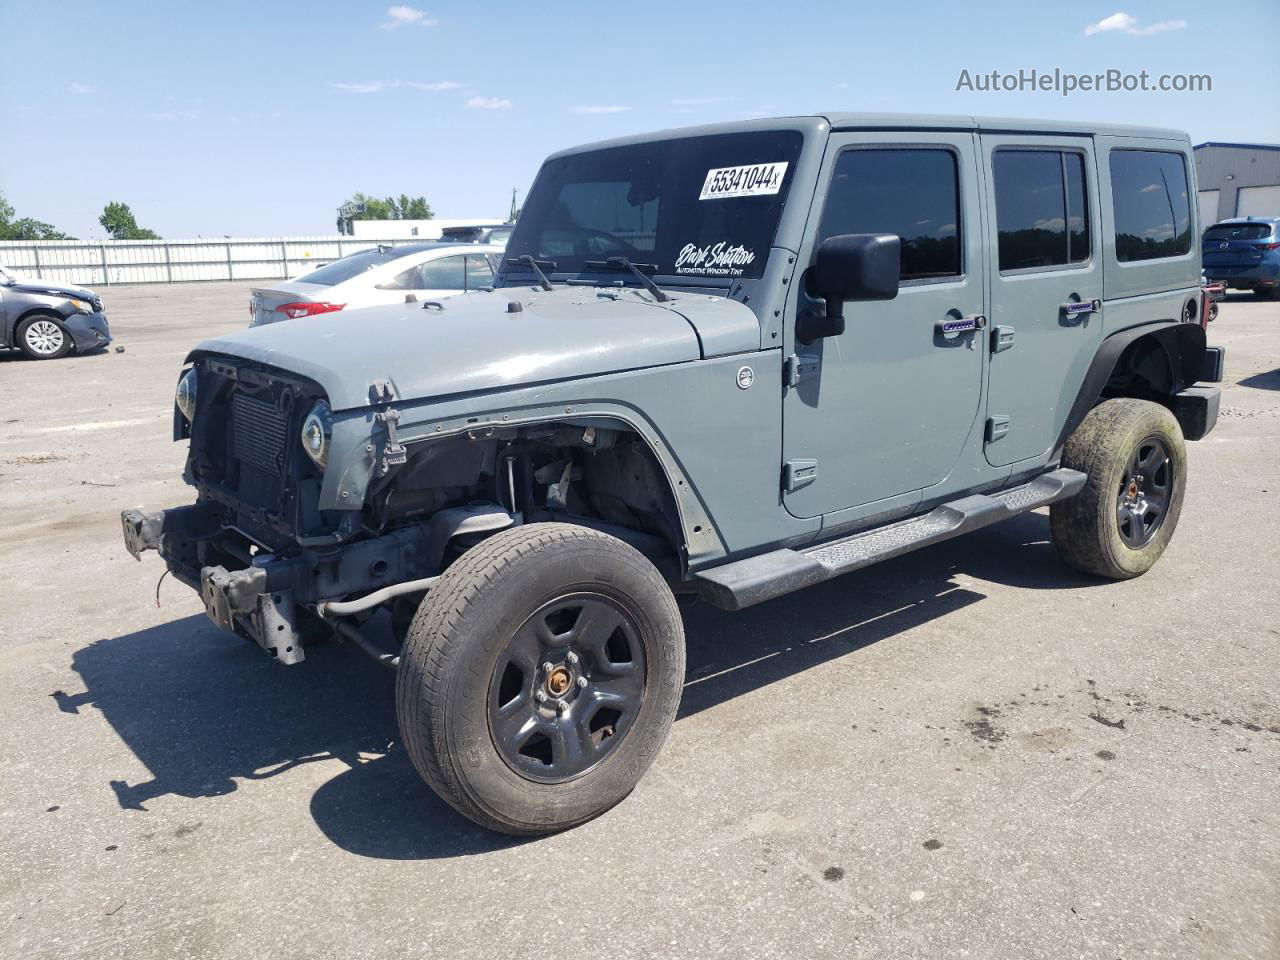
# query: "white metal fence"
[170,261]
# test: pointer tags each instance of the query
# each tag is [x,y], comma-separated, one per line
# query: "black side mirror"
[851,266]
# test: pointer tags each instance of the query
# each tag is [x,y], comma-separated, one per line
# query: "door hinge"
[798,473]
[799,367]
[1001,338]
[997,427]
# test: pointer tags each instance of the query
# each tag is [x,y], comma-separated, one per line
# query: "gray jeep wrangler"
[727,362]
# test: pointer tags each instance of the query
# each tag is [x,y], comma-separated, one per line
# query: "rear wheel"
[540,677]
[1122,520]
[42,337]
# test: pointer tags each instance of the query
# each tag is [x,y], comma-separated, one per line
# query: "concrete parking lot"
[969,751]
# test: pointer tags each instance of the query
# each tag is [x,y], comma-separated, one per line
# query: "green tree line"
[117,219]
[403,207]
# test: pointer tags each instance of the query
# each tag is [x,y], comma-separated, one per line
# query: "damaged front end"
[257,545]
[279,599]
[307,521]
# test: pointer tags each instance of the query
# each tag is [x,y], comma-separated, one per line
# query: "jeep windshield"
[699,207]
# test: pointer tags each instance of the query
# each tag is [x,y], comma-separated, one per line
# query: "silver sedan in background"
[382,274]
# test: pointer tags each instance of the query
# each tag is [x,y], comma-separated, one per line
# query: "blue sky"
[260,118]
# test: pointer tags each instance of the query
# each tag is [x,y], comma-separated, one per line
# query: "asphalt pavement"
[970,751]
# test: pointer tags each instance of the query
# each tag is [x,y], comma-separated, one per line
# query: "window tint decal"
[714,260]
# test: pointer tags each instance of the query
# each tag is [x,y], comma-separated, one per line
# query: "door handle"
[961,324]
[1080,308]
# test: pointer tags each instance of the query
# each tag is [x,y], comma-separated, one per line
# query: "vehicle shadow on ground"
[205,711]
[1263,381]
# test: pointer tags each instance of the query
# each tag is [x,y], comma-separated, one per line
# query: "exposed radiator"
[259,434]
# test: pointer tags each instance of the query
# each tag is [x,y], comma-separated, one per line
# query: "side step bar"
[744,583]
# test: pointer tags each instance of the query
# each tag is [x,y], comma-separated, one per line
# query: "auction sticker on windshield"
[752,180]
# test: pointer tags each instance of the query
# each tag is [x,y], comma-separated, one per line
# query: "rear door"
[1046,287]
[887,407]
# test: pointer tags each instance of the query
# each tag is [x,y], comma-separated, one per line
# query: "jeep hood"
[481,341]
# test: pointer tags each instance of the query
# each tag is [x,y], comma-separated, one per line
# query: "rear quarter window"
[1151,201]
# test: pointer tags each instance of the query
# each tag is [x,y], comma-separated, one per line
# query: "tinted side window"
[479,273]
[1077,208]
[1042,214]
[447,273]
[912,193]
[1152,204]
[405,280]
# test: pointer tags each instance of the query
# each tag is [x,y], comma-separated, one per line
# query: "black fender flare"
[1184,349]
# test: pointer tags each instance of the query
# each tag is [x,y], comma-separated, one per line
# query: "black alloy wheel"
[1146,489]
[567,687]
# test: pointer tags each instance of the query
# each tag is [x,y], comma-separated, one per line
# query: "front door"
[887,407]
[1046,288]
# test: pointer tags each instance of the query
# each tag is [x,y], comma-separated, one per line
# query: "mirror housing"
[850,266]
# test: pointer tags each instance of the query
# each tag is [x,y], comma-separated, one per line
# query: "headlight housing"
[316,430]
[80,306]
[185,396]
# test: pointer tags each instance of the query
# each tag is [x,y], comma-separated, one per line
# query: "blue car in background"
[1244,253]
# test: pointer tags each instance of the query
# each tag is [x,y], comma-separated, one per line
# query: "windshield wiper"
[636,269]
[536,266]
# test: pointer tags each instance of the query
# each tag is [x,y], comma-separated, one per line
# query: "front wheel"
[540,677]
[1123,518]
[43,338]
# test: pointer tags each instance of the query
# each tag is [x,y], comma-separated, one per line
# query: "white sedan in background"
[382,274]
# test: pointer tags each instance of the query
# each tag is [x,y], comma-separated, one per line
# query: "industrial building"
[1237,180]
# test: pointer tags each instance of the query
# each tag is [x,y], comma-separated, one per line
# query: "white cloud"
[372,86]
[1124,23]
[402,16]
[82,88]
[488,103]
[435,87]
[613,108]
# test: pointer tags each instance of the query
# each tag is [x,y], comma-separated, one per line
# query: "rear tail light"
[1267,246]
[306,309]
